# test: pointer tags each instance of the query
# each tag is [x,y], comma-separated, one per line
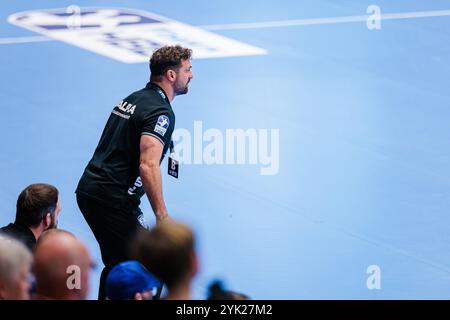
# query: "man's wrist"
[161,216]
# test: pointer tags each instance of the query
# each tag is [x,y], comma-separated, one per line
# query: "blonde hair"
[14,256]
[166,251]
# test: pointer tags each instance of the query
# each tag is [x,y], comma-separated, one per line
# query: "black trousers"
[113,228]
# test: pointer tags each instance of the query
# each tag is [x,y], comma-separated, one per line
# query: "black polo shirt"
[21,233]
[112,175]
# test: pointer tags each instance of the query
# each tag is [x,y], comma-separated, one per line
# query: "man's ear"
[171,75]
[47,220]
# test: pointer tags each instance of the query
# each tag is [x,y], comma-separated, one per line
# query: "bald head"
[62,265]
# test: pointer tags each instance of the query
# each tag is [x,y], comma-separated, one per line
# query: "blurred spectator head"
[38,204]
[168,252]
[218,292]
[130,280]
[15,265]
[62,266]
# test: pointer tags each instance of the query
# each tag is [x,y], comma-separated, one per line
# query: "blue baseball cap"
[128,278]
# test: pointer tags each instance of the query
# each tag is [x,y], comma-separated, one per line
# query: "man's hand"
[163,218]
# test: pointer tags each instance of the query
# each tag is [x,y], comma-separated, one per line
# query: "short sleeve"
[159,124]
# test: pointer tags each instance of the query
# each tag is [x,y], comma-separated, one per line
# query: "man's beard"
[180,89]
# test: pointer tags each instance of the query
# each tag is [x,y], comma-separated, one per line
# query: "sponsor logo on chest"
[126,107]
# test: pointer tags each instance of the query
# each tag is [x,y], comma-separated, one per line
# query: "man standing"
[126,162]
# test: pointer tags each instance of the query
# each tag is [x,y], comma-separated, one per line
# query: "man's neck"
[180,292]
[168,90]
[40,296]
[62,295]
[37,231]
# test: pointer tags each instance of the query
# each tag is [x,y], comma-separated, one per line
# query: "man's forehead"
[187,63]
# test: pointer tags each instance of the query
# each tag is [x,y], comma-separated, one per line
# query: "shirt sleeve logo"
[161,125]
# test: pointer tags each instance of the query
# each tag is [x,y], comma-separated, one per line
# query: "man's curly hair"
[168,57]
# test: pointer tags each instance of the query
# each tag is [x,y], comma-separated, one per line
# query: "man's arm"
[151,151]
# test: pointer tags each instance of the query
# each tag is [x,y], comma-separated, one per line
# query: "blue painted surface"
[364,173]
